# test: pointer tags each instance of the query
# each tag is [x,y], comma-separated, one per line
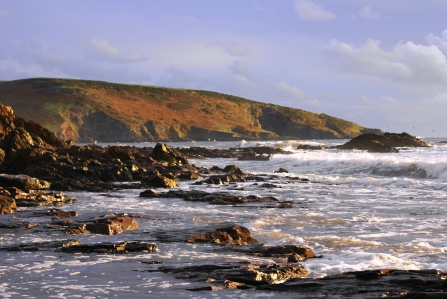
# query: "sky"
[379,63]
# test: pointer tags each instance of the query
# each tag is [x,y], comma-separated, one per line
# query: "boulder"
[105,225]
[7,205]
[281,170]
[23,182]
[158,181]
[231,235]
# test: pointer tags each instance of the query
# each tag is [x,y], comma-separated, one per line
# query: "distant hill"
[87,111]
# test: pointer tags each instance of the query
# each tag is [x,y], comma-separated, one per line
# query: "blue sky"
[379,63]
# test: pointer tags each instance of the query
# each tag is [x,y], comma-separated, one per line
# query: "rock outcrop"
[385,143]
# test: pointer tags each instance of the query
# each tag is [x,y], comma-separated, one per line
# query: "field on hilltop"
[87,111]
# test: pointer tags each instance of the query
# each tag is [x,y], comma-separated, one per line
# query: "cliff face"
[86,111]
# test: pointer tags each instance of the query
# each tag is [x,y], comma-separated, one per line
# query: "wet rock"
[149,193]
[37,246]
[105,225]
[223,179]
[7,205]
[171,156]
[158,181]
[255,157]
[281,170]
[249,274]
[231,235]
[222,198]
[309,147]
[368,284]
[233,169]
[22,182]
[189,176]
[35,198]
[111,248]
[301,253]
[383,143]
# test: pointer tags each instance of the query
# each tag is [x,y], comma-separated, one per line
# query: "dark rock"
[285,251]
[158,181]
[309,147]
[172,157]
[22,182]
[110,248]
[367,284]
[149,193]
[216,198]
[383,143]
[281,170]
[233,169]
[36,246]
[245,273]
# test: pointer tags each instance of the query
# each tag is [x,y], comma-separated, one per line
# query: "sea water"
[359,211]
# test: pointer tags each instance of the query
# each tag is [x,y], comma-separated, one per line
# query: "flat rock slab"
[108,248]
[368,284]
[238,272]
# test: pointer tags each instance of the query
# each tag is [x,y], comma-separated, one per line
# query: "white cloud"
[232,48]
[102,47]
[102,50]
[368,13]
[406,62]
[308,10]
[440,42]
[240,68]
[288,91]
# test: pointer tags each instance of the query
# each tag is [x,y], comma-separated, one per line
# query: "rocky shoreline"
[37,167]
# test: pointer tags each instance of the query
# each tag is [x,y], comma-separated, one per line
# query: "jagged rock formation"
[87,111]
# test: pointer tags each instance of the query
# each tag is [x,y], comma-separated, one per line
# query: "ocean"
[359,211]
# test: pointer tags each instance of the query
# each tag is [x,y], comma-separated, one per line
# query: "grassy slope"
[52,102]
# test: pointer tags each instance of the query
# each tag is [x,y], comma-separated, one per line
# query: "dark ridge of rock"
[37,246]
[309,147]
[367,284]
[110,248]
[250,274]
[385,143]
[219,198]
[242,153]
[293,253]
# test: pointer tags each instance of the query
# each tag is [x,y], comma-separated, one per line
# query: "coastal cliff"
[87,111]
